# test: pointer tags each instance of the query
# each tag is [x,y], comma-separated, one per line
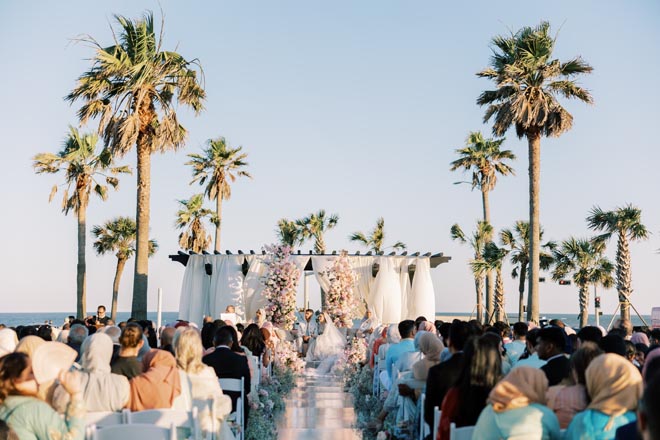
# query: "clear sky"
[354,107]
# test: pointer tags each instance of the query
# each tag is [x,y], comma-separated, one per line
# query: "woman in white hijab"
[8,341]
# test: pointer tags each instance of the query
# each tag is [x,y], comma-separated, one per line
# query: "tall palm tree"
[220,165]
[485,159]
[528,84]
[585,260]
[191,218]
[134,88]
[82,165]
[314,226]
[288,233]
[118,236]
[489,261]
[517,241]
[626,223]
[376,238]
[477,241]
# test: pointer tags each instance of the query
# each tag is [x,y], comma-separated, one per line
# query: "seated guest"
[648,413]
[654,338]
[530,358]
[29,344]
[253,340]
[550,347]
[382,339]
[516,409]
[515,348]
[131,341]
[77,335]
[166,338]
[431,346]
[228,364]
[444,375]
[570,397]
[615,386]
[407,344]
[613,343]
[158,385]
[589,334]
[482,369]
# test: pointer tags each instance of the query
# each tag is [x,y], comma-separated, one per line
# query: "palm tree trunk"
[479,289]
[81,268]
[141,277]
[121,262]
[584,305]
[499,296]
[521,291]
[218,211]
[534,145]
[623,275]
[490,285]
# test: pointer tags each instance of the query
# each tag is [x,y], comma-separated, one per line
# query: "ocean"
[57,318]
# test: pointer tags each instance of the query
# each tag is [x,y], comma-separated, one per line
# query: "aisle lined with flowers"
[319,409]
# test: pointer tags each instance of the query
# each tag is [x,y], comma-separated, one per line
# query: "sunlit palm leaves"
[375,240]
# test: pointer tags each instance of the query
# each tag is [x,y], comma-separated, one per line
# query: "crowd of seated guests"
[50,378]
[521,381]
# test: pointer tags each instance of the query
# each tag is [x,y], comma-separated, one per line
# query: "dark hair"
[582,358]
[503,328]
[590,334]
[613,343]
[553,335]
[11,368]
[652,369]
[630,350]
[151,333]
[131,335]
[234,336]
[476,328]
[101,307]
[419,320]
[310,310]
[520,329]
[655,334]
[253,340]
[28,330]
[444,331]
[641,348]
[208,330]
[45,332]
[557,323]
[406,328]
[224,336]
[650,406]
[240,327]
[459,332]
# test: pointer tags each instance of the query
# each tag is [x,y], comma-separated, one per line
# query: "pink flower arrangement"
[280,284]
[340,303]
[286,357]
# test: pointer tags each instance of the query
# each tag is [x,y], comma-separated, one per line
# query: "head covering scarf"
[426,326]
[102,390]
[431,346]
[29,344]
[640,338]
[416,339]
[520,388]
[145,348]
[8,341]
[63,336]
[647,361]
[614,384]
[393,335]
[158,386]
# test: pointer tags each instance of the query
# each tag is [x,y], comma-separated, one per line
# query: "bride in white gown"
[327,346]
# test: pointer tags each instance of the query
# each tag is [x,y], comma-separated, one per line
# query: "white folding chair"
[164,418]
[105,418]
[423,426]
[134,432]
[436,421]
[236,385]
[257,376]
[463,433]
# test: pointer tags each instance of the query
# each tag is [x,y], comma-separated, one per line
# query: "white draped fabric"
[227,285]
[300,261]
[193,302]
[422,295]
[406,287]
[253,285]
[386,295]
[320,265]
[363,267]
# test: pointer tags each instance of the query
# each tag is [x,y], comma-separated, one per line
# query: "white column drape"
[422,296]
[406,287]
[320,264]
[227,285]
[386,295]
[300,261]
[363,265]
[193,302]
[253,285]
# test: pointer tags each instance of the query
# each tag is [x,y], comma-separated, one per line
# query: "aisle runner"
[318,409]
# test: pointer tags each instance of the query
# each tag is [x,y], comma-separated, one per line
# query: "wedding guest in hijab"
[368,323]
[516,408]
[615,387]
[640,338]
[426,326]
[25,413]
[8,341]
[29,344]
[158,385]
[431,346]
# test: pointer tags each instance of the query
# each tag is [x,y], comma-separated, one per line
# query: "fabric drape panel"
[321,263]
[422,297]
[228,288]
[387,292]
[253,285]
[300,261]
[406,288]
[194,303]
[363,267]
[218,263]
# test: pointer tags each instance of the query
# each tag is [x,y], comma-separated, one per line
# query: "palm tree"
[376,238]
[528,83]
[288,232]
[190,217]
[626,223]
[314,226]
[220,164]
[477,242]
[485,159]
[118,236]
[489,261]
[134,88]
[585,260]
[82,166]
[517,241]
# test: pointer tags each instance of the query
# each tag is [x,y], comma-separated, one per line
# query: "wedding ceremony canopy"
[394,286]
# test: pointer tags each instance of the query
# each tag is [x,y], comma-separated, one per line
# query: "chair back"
[105,418]
[422,424]
[236,385]
[463,433]
[134,432]
[166,418]
[257,374]
[436,421]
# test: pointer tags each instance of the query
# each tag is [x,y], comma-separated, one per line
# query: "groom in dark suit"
[228,364]
[550,347]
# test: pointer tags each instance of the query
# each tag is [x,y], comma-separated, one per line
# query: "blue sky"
[355,107]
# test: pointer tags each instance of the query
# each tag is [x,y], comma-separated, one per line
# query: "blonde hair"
[188,350]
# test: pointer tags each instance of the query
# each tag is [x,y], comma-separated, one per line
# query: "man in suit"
[550,348]
[306,331]
[443,376]
[228,364]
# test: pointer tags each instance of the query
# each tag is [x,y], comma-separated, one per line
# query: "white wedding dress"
[327,347]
